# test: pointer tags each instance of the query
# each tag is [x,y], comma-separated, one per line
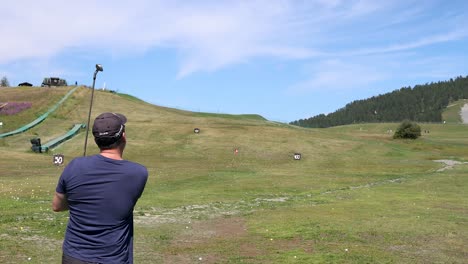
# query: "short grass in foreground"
[357,196]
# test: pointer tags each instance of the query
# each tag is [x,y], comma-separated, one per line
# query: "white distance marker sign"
[58,159]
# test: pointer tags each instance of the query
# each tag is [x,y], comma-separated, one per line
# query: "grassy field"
[357,195]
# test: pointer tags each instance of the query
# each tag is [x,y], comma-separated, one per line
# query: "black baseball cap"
[109,126]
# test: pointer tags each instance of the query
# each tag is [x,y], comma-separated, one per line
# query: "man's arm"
[59,203]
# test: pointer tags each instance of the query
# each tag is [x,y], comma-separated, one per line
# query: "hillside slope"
[75,110]
[356,196]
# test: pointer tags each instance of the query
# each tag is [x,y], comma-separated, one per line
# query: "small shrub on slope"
[408,129]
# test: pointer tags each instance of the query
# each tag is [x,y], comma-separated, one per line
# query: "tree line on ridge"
[422,103]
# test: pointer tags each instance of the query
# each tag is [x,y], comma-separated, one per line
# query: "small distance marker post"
[58,159]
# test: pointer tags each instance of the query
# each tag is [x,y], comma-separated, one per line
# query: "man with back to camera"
[101,191]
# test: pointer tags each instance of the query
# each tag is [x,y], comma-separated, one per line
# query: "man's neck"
[112,154]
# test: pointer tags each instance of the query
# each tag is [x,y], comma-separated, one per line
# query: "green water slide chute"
[57,141]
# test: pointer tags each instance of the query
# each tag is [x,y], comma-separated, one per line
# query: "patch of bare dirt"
[190,259]
[220,230]
[464,113]
[200,233]
[449,164]
[223,227]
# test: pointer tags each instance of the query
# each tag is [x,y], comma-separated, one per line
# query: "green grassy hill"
[357,195]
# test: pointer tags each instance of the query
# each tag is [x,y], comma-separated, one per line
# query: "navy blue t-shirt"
[101,195]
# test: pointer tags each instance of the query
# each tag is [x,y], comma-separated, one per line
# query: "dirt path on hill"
[464,114]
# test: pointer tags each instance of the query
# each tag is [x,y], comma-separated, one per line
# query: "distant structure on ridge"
[53,81]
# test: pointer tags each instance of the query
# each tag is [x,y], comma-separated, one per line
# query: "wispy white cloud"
[336,75]
[210,35]
[412,44]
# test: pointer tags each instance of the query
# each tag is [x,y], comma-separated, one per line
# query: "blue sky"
[284,60]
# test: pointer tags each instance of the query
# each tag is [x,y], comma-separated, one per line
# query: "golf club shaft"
[89,114]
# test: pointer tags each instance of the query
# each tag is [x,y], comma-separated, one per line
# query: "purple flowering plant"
[12,108]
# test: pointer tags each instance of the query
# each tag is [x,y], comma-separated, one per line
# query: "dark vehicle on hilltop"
[54,81]
[25,84]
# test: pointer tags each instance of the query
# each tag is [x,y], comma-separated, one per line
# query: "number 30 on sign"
[58,159]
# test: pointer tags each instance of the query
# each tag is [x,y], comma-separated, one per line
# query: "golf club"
[98,69]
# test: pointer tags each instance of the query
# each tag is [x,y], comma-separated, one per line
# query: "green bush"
[408,129]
